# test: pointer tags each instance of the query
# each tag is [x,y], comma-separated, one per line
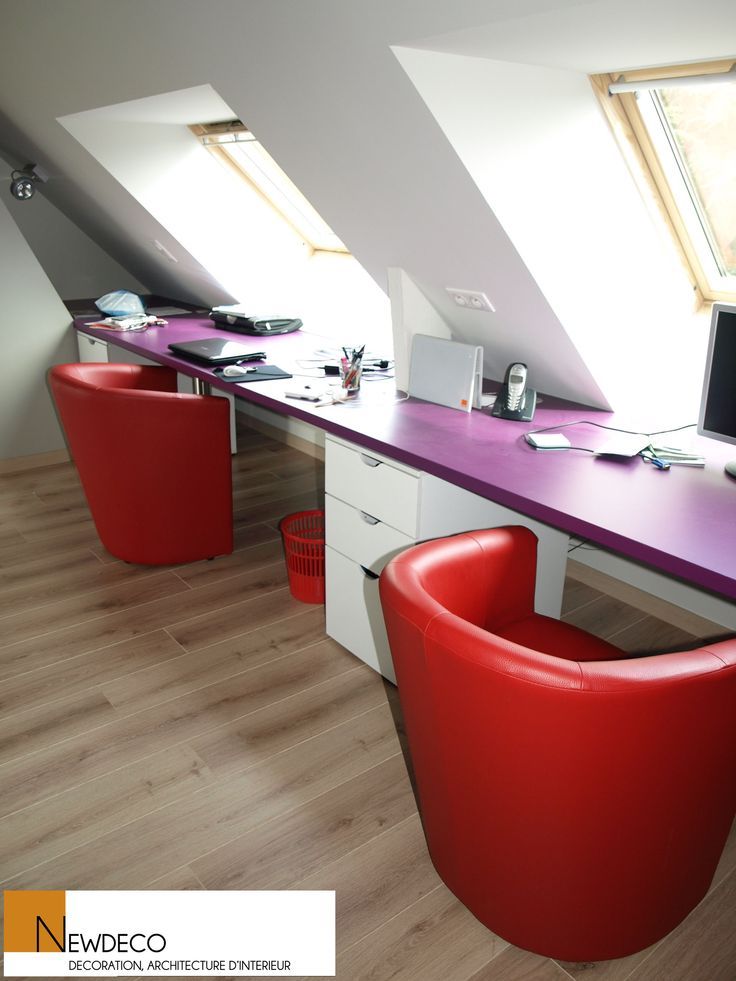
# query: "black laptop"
[216,350]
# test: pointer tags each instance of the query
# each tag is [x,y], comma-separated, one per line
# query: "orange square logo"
[35,921]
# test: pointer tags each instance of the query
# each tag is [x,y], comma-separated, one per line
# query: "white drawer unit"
[375,508]
[354,615]
[361,536]
[374,484]
[90,348]
[94,349]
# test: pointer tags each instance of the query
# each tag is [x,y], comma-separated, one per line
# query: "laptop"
[216,350]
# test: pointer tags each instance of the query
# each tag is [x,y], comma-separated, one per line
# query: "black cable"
[584,543]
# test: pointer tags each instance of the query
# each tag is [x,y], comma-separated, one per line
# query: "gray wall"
[76,266]
[35,332]
[43,257]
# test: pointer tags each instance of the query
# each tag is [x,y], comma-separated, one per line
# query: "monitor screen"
[718,403]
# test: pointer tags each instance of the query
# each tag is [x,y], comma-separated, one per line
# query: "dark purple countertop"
[681,521]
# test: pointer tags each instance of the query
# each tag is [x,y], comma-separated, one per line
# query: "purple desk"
[680,522]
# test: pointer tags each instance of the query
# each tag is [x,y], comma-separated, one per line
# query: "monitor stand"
[730,469]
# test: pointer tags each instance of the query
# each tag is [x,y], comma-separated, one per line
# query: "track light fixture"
[23,182]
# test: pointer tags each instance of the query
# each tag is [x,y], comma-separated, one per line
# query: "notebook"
[216,350]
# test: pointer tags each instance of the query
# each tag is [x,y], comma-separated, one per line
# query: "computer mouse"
[233,370]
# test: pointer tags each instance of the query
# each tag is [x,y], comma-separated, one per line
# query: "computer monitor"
[718,402]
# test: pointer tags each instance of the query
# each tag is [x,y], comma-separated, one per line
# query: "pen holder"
[351,368]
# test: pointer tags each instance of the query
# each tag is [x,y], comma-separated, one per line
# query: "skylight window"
[681,123]
[233,143]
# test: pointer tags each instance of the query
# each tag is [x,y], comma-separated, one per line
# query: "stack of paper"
[674,456]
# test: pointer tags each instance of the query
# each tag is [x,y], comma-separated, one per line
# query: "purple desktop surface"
[680,521]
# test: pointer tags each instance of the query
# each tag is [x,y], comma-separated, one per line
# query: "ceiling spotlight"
[23,182]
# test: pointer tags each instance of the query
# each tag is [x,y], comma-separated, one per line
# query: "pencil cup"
[350,371]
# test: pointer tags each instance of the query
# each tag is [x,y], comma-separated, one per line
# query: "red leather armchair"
[154,464]
[576,800]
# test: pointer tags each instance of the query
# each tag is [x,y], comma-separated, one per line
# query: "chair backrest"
[618,772]
[154,464]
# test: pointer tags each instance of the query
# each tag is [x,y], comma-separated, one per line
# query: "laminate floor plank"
[77,584]
[273,490]
[294,845]
[271,595]
[275,510]
[43,831]
[651,635]
[299,717]
[53,564]
[646,602]
[81,532]
[377,880]
[434,939]
[265,548]
[300,466]
[578,595]
[116,743]
[240,595]
[92,605]
[146,848]
[40,519]
[181,878]
[513,964]
[26,733]
[191,671]
[15,549]
[604,616]
[58,681]
[38,480]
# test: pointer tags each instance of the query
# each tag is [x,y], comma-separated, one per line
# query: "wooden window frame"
[203,130]
[632,135]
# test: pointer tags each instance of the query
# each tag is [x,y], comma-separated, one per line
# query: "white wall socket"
[471,300]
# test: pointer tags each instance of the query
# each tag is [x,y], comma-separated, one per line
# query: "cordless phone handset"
[515,400]
[515,386]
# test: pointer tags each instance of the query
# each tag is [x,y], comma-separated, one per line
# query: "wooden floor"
[193,728]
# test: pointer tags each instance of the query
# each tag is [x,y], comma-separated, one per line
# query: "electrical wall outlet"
[471,300]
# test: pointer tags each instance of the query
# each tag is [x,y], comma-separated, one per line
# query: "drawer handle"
[368,518]
[368,574]
[370,461]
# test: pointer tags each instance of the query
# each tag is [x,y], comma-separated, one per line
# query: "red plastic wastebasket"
[303,535]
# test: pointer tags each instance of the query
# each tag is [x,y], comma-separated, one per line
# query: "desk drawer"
[353,612]
[373,484]
[360,536]
[91,349]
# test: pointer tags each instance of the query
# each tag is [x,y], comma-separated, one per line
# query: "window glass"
[677,129]
[240,147]
[702,121]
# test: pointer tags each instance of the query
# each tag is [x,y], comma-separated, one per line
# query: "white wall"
[222,223]
[538,147]
[319,83]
